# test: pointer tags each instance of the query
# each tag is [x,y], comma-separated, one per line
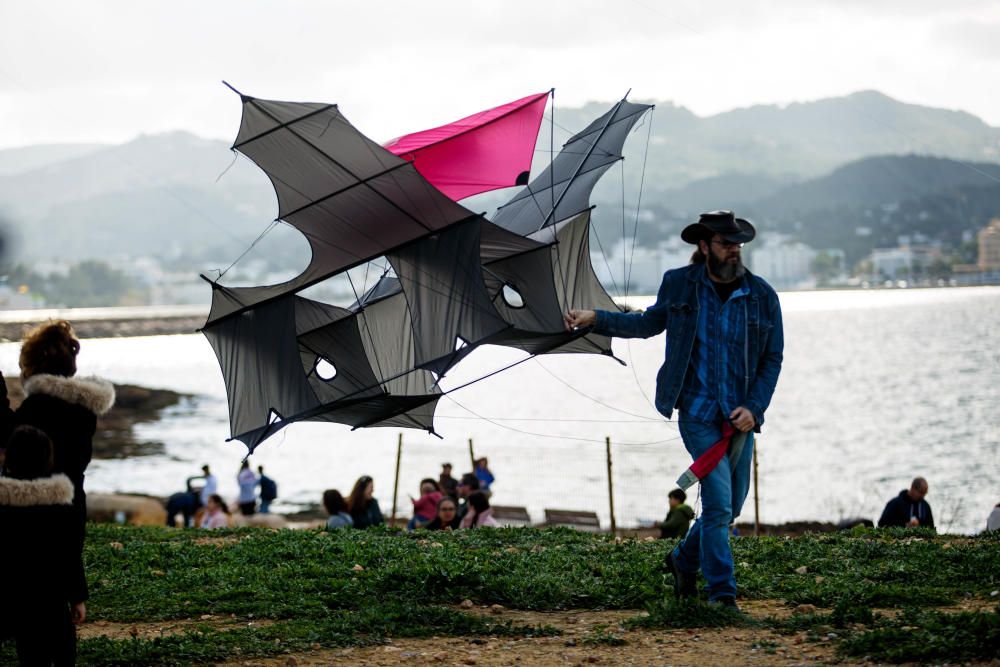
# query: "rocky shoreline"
[116,430]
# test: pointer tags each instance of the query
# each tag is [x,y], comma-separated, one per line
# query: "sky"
[108,71]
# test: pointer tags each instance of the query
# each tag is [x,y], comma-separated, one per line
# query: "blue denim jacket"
[676,312]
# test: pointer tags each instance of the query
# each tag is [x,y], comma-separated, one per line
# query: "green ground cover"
[318,589]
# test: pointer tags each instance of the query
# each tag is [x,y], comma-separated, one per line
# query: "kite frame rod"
[329,157]
[348,400]
[282,126]
[586,157]
[534,98]
[321,278]
[342,190]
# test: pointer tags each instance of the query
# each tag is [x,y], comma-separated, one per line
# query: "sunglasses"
[728,245]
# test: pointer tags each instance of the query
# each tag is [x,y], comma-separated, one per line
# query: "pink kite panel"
[485,151]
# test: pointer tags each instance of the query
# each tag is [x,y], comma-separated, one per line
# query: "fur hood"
[55,490]
[93,393]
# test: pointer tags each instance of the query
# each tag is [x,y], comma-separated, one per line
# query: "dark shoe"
[685,585]
[727,601]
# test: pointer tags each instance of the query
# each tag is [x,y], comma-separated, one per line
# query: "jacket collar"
[93,393]
[54,490]
[696,271]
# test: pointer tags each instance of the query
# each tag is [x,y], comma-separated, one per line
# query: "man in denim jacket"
[723,356]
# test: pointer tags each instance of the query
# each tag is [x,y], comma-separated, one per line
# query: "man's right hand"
[576,319]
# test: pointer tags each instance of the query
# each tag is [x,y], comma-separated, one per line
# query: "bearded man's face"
[724,259]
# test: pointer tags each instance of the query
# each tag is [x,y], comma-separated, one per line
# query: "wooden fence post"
[611,485]
[756,498]
[395,485]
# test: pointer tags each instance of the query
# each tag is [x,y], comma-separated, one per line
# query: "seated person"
[424,508]
[480,514]
[466,487]
[336,507]
[908,508]
[216,513]
[446,516]
[678,518]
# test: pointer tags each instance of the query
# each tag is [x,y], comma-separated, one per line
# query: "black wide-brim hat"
[723,223]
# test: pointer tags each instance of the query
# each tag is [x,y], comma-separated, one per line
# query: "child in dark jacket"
[40,561]
[678,518]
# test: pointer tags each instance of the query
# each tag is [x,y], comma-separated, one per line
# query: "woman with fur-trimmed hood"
[42,566]
[63,406]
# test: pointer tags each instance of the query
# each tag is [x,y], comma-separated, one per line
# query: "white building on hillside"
[782,262]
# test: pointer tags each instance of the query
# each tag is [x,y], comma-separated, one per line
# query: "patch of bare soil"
[584,642]
[163,628]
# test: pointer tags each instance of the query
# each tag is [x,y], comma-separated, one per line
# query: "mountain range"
[827,163]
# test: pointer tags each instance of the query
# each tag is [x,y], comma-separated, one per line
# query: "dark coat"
[676,312]
[66,409]
[371,515]
[677,523]
[436,524]
[900,509]
[40,560]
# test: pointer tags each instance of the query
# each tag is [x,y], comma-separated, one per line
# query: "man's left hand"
[742,419]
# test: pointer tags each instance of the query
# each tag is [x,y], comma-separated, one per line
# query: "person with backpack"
[268,490]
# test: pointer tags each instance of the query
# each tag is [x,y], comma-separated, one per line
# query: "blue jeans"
[723,491]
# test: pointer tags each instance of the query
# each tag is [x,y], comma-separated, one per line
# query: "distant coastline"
[117,322]
[133,321]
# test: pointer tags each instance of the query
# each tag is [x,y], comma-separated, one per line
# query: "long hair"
[480,503]
[29,454]
[221,503]
[334,502]
[356,503]
[49,348]
[698,257]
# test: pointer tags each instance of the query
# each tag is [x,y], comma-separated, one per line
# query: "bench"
[586,521]
[508,515]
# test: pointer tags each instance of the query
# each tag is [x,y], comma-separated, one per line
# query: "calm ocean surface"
[877,387]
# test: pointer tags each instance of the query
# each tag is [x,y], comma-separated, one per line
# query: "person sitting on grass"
[216,513]
[480,514]
[336,507]
[909,508]
[424,508]
[362,504]
[446,516]
[466,487]
[678,518]
[44,588]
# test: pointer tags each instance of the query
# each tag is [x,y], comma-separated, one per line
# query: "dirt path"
[588,637]
[584,642]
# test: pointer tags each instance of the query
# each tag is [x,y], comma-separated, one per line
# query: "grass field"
[254,594]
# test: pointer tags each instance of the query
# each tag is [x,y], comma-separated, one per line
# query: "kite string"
[597,400]
[270,226]
[236,156]
[551,435]
[635,235]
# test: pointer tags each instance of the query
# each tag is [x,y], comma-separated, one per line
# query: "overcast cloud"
[108,71]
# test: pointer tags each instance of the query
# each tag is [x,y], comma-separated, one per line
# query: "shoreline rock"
[115,437]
